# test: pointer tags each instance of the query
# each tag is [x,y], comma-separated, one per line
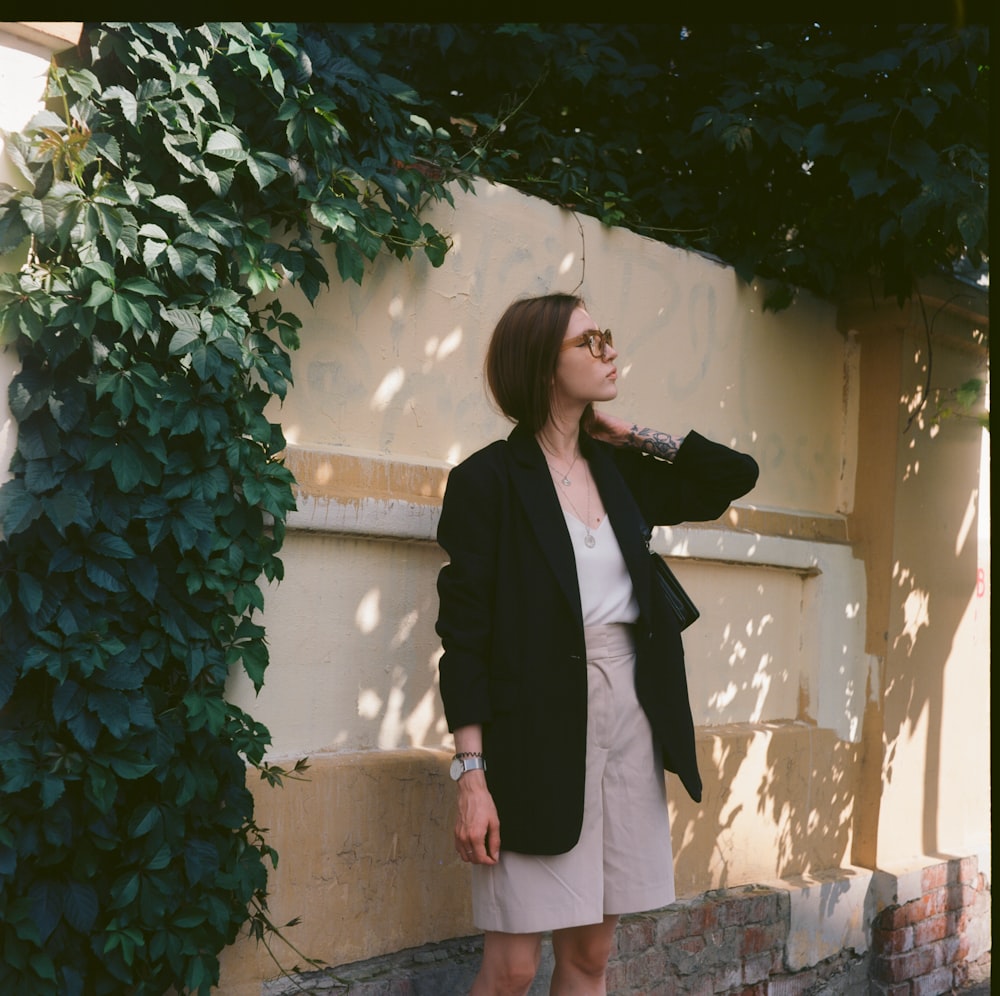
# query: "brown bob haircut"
[523,353]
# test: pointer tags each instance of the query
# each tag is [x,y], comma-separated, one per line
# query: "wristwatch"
[460,765]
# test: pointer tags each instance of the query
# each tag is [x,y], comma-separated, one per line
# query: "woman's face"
[580,376]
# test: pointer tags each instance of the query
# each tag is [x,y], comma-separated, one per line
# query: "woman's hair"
[522,356]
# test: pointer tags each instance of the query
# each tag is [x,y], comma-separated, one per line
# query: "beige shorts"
[623,862]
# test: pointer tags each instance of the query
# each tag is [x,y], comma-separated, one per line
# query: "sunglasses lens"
[599,342]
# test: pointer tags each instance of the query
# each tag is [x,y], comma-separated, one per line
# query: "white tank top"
[606,594]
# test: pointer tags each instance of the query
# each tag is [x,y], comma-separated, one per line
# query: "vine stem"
[928,329]
[269,928]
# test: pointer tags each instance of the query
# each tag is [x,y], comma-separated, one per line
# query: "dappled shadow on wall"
[778,802]
[936,680]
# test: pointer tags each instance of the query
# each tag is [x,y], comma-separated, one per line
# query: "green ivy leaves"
[177,174]
[809,154]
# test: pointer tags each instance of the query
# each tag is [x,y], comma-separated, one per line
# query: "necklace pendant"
[589,541]
[565,482]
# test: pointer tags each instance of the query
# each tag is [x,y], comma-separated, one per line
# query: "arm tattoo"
[660,444]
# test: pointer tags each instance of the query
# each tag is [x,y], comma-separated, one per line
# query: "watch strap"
[461,763]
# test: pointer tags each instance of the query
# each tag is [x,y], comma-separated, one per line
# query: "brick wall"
[922,947]
[729,942]
[721,942]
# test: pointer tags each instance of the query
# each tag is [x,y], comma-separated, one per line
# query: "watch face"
[457,769]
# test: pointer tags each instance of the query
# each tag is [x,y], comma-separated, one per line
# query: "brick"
[691,945]
[757,968]
[896,917]
[792,985]
[761,937]
[646,968]
[718,939]
[686,955]
[889,989]
[968,871]
[889,942]
[849,975]
[939,951]
[732,913]
[701,986]
[671,927]
[900,968]
[959,897]
[933,983]
[933,903]
[954,949]
[764,906]
[934,877]
[663,987]
[906,915]
[701,918]
[930,930]
[880,969]
[727,977]
[616,977]
[636,935]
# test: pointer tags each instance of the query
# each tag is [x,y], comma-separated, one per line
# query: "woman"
[562,682]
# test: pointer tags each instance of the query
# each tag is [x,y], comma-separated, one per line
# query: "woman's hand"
[477,829]
[610,428]
[618,432]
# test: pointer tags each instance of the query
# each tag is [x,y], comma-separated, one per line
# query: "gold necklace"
[564,479]
[589,540]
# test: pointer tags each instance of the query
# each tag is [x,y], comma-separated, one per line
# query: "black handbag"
[669,590]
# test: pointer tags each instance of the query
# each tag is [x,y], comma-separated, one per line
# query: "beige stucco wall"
[394,367]
[790,686]
[389,394]
[922,524]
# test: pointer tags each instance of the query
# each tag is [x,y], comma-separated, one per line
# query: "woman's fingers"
[493,843]
[477,830]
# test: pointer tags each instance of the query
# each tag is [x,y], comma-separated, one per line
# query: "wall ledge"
[371,494]
[53,35]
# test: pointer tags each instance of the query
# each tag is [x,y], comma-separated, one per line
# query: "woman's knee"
[590,961]
[586,950]
[510,962]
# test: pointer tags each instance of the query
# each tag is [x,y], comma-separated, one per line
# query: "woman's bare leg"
[510,962]
[581,955]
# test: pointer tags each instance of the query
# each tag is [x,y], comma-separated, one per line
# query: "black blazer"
[511,623]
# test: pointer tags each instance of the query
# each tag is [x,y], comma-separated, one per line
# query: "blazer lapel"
[533,483]
[626,519]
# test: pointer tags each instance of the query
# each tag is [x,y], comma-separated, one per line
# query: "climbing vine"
[827,156]
[810,154]
[177,177]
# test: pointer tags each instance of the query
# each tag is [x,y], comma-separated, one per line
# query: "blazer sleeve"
[467,531]
[698,485]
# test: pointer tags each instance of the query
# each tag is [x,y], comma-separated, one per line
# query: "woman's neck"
[561,440]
